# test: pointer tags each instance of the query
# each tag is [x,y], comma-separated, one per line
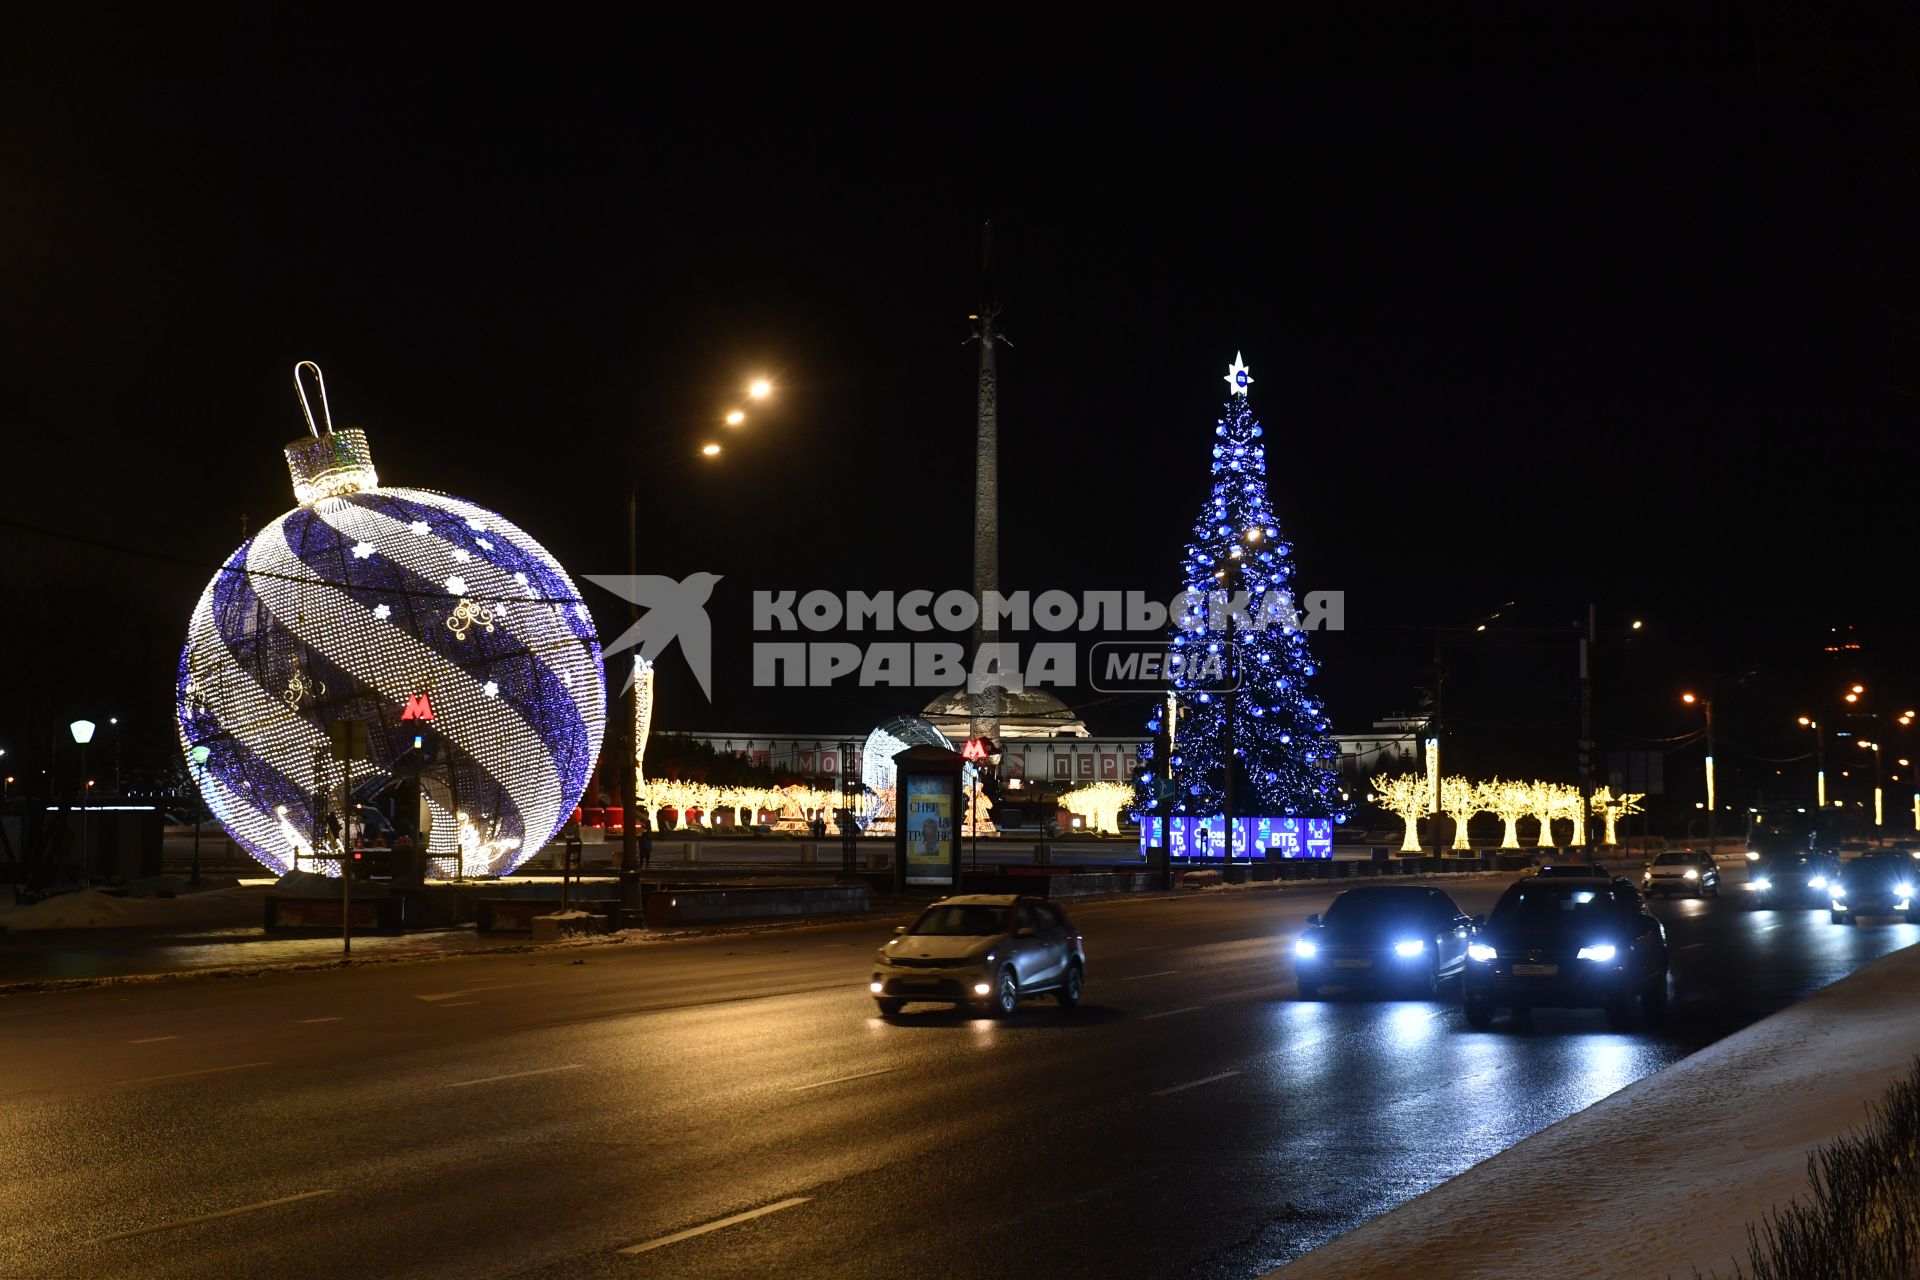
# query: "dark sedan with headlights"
[1398,938]
[1787,880]
[1566,943]
[1874,884]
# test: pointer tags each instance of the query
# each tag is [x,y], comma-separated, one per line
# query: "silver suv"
[981,951]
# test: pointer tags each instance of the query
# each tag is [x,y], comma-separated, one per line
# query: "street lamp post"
[82,731]
[1819,760]
[114,723]
[1712,805]
[199,754]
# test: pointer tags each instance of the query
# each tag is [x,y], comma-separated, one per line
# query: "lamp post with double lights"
[758,388]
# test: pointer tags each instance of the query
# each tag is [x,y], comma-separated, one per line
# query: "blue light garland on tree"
[1283,748]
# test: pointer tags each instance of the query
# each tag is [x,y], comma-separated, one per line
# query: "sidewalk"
[1665,1175]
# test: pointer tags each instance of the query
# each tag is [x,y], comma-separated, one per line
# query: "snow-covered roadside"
[1664,1175]
[92,909]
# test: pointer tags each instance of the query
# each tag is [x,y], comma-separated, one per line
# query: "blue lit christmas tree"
[1283,752]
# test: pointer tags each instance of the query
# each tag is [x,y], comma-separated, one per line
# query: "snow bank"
[92,909]
[1664,1175]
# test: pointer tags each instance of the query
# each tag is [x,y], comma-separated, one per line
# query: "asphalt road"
[547,1115]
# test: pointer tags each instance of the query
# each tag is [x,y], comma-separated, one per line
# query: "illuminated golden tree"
[1567,805]
[1510,801]
[1404,794]
[1099,803]
[1613,807]
[1460,800]
[1544,804]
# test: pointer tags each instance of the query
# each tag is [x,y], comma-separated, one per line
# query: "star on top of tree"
[1238,379]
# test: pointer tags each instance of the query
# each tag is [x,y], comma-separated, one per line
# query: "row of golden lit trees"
[1410,797]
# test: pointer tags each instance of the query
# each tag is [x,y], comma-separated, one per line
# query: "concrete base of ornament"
[570,924]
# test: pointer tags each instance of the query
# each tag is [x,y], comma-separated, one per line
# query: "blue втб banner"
[1201,838]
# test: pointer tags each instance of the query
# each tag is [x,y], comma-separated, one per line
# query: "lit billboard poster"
[1268,837]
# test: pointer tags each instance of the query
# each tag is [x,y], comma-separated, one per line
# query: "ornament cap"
[331,464]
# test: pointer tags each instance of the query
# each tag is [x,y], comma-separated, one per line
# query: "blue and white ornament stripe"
[469,714]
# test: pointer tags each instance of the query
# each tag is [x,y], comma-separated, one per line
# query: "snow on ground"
[1666,1174]
[92,909]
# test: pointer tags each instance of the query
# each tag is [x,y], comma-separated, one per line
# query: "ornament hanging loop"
[320,382]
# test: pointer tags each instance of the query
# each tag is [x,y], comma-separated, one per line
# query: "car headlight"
[1305,950]
[981,988]
[1691,874]
[874,987]
[1903,890]
[1763,884]
[1817,882]
[1480,951]
[1411,947]
[1837,889]
[1603,952]
[1752,856]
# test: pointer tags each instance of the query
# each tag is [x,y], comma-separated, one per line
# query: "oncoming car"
[1394,937]
[1684,871]
[1791,880]
[1874,884]
[984,952]
[1566,943]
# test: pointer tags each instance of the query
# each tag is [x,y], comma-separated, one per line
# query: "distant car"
[1399,938]
[984,952]
[1686,871]
[1874,884]
[1566,943]
[1780,881]
[1581,870]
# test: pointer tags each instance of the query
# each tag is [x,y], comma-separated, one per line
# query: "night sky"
[1621,314]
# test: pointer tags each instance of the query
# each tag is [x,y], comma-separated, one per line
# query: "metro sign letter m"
[418,708]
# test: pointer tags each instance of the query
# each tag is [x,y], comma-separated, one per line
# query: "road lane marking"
[1691,946]
[516,1075]
[456,1004]
[305,1020]
[1164,973]
[474,991]
[1168,1013]
[207,1217]
[1193,1084]
[204,1071]
[802,1088]
[691,1232]
[153,1040]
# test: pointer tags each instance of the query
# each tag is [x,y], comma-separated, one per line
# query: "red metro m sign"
[976,749]
[419,707]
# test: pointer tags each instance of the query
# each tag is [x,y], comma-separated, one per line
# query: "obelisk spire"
[985,705]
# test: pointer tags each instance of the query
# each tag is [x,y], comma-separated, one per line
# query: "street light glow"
[82,731]
[760,388]
[1688,698]
[1637,624]
[710,449]
[735,418]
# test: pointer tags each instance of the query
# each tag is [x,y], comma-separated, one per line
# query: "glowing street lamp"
[710,450]
[82,731]
[199,757]
[1820,760]
[736,417]
[760,388]
[1707,705]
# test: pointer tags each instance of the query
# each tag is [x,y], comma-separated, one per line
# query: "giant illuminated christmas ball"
[374,645]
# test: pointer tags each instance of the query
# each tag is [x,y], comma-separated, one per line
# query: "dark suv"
[981,951]
[1874,884]
[1787,880]
[1566,943]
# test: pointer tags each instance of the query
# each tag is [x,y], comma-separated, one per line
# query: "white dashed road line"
[691,1232]
[183,1075]
[208,1217]
[516,1075]
[474,991]
[1194,1084]
[1168,1013]
[821,1084]
[153,1040]
[1164,973]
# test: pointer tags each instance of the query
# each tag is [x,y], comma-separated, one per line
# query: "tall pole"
[85,858]
[1586,727]
[1820,764]
[1434,725]
[1712,805]
[984,706]
[629,775]
[199,811]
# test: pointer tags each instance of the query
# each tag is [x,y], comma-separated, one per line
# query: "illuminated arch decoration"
[1100,804]
[377,607]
